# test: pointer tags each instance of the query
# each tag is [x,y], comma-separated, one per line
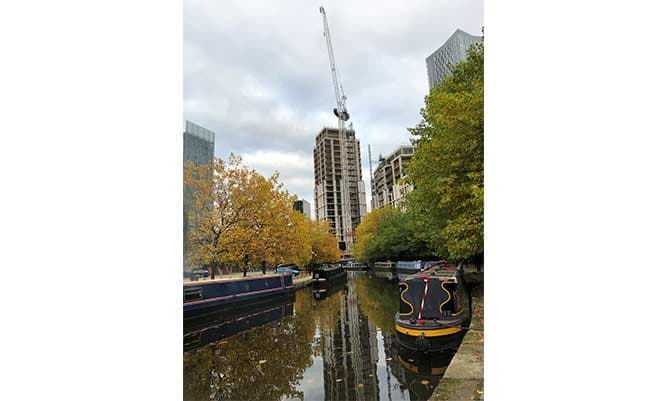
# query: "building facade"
[302,206]
[327,159]
[386,186]
[198,145]
[450,54]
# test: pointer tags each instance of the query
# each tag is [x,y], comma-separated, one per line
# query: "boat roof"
[442,271]
[224,279]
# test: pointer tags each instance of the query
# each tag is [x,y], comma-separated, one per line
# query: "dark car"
[199,273]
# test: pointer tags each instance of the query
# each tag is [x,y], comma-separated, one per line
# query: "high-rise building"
[198,145]
[303,207]
[327,159]
[386,188]
[450,54]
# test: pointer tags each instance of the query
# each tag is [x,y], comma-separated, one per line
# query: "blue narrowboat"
[201,295]
[413,266]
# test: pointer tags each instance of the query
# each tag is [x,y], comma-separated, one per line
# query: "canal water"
[341,345]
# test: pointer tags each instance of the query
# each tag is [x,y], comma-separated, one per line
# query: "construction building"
[451,53]
[328,162]
[386,188]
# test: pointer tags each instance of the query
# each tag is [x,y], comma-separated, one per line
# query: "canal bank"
[463,379]
[302,281]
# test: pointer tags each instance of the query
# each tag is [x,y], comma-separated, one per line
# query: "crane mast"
[342,114]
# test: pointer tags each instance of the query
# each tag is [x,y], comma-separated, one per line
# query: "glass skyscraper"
[450,54]
[198,145]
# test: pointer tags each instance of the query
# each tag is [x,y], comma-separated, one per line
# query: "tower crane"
[342,115]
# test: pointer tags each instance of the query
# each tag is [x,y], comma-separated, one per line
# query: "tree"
[324,246]
[389,233]
[447,166]
[367,230]
[242,217]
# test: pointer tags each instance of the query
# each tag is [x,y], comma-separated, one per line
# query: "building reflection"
[350,353]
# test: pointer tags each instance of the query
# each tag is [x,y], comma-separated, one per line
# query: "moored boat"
[326,276]
[202,295]
[413,266]
[389,266]
[355,266]
[434,309]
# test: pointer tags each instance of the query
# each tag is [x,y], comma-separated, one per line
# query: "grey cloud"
[257,73]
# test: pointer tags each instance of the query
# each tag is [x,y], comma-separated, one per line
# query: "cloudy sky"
[257,73]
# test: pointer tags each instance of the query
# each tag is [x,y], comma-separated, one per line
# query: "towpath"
[463,380]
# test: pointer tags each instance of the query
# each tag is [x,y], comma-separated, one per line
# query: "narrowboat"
[332,288]
[422,372]
[382,266]
[326,276]
[202,295]
[226,321]
[434,309]
[413,266]
[356,266]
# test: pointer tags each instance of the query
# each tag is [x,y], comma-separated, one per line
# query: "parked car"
[199,273]
[286,269]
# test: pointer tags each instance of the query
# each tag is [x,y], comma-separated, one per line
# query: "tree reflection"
[379,301]
[265,363]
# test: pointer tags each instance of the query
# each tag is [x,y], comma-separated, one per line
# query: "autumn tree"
[241,217]
[447,166]
[324,246]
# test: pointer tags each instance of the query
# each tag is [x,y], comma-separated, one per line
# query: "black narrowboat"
[434,309]
[327,276]
[335,286]
[202,295]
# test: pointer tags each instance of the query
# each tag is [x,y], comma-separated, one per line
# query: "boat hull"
[201,296]
[432,338]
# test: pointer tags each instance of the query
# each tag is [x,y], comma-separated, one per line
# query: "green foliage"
[390,234]
[447,166]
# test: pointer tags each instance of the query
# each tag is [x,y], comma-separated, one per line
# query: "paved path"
[463,380]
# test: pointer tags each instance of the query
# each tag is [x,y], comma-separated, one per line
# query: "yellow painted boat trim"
[402,298]
[440,307]
[460,311]
[428,333]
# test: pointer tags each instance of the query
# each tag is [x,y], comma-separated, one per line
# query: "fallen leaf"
[360,385]
[478,391]
[339,380]
[425,382]
[263,361]
[388,359]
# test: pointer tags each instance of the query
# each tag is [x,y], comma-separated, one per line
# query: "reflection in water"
[340,347]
